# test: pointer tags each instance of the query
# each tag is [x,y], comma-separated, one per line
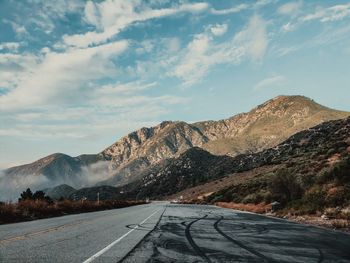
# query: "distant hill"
[129,158]
[60,191]
[104,192]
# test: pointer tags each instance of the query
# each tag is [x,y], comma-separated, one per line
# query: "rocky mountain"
[264,126]
[307,153]
[126,160]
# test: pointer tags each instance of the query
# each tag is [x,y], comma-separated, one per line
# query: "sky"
[75,76]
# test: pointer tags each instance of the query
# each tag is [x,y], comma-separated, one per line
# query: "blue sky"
[77,75]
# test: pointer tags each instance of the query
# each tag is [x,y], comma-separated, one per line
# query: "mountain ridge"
[263,127]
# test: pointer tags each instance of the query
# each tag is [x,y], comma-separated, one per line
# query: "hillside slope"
[314,162]
[263,127]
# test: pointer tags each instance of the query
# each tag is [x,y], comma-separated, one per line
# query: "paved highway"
[104,236]
[184,233]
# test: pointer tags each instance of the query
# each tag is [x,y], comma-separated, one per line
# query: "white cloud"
[321,14]
[235,9]
[241,7]
[146,46]
[104,110]
[198,57]
[110,17]
[269,82]
[203,52]
[290,8]
[124,88]
[61,73]
[282,51]
[219,29]
[13,68]
[288,27]
[10,46]
[262,3]
[333,13]
[20,30]
[328,36]
[173,44]
[254,38]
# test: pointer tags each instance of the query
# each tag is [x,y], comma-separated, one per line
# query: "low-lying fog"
[12,186]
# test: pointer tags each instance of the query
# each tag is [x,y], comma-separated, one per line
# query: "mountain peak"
[290,100]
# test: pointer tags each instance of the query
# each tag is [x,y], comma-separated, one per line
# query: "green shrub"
[315,199]
[285,186]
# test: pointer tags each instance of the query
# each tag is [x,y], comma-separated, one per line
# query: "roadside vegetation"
[32,206]
[314,182]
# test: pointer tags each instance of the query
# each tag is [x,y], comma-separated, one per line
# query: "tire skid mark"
[251,250]
[321,257]
[191,241]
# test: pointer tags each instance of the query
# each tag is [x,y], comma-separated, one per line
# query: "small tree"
[26,195]
[38,195]
[285,186]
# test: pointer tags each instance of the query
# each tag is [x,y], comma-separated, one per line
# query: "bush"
[34,209]
[285,186]
[315,199]
[38,195]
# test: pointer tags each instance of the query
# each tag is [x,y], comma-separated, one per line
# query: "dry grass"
[34,209]
[255,208]
[201,191]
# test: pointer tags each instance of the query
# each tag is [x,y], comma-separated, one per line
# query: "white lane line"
[116,241]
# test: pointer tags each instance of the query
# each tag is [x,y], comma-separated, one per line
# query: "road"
[181,233]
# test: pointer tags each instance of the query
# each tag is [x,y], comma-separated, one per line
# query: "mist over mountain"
[128,159]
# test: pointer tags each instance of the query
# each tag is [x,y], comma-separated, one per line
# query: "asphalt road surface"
[181,233]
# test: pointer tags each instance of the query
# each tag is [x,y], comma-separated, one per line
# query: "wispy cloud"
[320,14]
[241,7]
[254,38]
[329,14]
[235,9]
[58,73]
[110,17]
[203,52]
[290,8]
[328,36]
[219,29]
[9,46]
[269,82]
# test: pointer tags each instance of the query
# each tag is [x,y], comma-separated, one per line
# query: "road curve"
[181,233]
[199,233]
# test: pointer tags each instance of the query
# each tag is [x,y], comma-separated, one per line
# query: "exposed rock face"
[326,142]
[265,126]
